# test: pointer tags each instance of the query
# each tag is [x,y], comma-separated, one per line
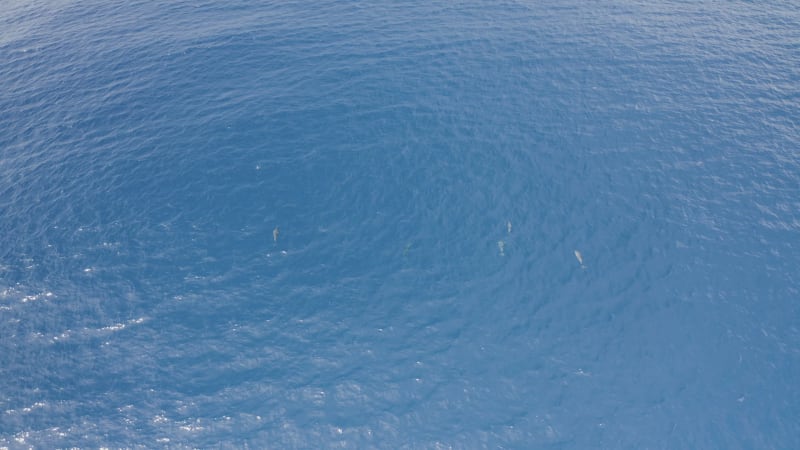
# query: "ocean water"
[435,171]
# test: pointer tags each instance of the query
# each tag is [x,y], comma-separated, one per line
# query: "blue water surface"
[500,224]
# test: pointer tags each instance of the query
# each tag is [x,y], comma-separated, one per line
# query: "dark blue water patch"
[433,171]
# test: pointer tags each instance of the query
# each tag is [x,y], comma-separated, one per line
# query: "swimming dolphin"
[579,257]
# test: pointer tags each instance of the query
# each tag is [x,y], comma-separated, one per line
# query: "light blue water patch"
[434,169]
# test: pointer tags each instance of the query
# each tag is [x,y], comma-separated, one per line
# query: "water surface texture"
[400,224]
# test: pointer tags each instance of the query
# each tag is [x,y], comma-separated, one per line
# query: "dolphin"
[579,257]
